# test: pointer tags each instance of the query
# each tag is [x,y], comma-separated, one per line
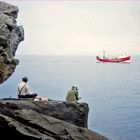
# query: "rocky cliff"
[10,37]
[33,120]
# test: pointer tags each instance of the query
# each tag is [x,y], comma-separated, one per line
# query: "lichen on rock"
[10,37]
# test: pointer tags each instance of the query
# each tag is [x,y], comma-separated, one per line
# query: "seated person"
[24,90]
[72,94]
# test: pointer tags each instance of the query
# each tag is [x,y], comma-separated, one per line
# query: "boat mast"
[103,53]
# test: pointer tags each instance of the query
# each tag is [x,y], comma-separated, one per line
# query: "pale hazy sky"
[79,27]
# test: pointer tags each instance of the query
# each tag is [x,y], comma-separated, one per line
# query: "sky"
[79,27]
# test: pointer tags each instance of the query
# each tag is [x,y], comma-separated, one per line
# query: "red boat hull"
[113,60]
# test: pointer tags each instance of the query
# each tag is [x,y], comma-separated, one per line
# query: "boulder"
[10,37]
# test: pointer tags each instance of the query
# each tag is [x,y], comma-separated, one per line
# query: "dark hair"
[72,87]
[25,79]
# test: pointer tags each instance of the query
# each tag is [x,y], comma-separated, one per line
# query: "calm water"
[112,90]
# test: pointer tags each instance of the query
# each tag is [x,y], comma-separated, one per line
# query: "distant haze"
[79,27]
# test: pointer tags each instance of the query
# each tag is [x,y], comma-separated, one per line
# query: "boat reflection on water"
[114,62]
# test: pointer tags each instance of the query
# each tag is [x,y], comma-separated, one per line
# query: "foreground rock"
[10,36]
[76,114]
[32,120]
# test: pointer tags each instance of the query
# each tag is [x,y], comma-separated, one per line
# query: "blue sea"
[112,90]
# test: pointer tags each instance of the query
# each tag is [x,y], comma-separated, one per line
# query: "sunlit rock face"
[10,37]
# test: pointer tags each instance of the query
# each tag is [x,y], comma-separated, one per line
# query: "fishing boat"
[122,58]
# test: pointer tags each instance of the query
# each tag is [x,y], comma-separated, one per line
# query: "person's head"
[25,79]
[74,87]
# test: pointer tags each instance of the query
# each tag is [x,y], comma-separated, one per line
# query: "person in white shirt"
[24,90]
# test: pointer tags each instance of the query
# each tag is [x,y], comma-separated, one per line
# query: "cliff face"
[32,120]
[10,36]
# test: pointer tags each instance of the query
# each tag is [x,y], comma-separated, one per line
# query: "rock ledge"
[32,120]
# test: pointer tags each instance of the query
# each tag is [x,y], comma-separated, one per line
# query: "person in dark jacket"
[72,94]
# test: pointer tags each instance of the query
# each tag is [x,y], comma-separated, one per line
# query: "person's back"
[23,88]
[71,95]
